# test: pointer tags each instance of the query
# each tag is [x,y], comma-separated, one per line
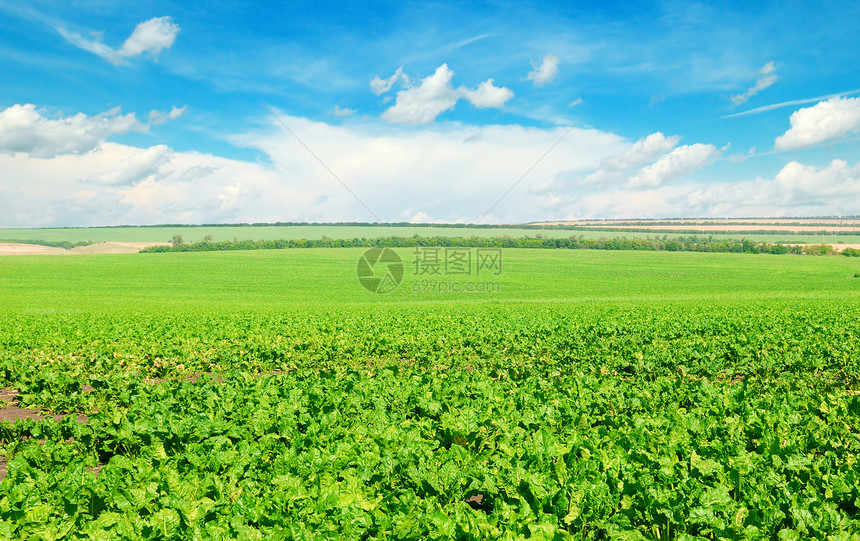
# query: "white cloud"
[420,218]
[156,118]
[136,168]
[807,185]
[423,103]
[24,129]
[544,73]
[766,77]
[128,185]
[644,150]
[681,161]
[574,103]
[487,95]
[343,111]
[611,170]
[381,86]
[826,121]
[398,173]
[152,36]
[402,175]
[796,190]
[791,103]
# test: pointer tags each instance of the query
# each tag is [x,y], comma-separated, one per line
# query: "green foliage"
[603,395]
[665,243]
[68,245]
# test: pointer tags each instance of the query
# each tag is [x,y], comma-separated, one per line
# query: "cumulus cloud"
[799,184]
[421,104]
[123,184]
[398,174]
[795,190]
[766,77]
[152,36]
[545,72]
[644,150]
[136,168]
[681,161]
[826,121]
[613,170]
[24,129]
[487,95]
[403,175]
[381,86]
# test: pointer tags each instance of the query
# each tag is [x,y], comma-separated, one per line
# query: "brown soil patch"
[9,411]
[11,248]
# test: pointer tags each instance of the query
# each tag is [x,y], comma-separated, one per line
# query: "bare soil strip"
[712,228]
[11,248]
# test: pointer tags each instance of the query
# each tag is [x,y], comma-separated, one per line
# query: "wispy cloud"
[468,41]
[766,77]
[152,36]
[343,111]
[791,103]
[380,86]
[156,118]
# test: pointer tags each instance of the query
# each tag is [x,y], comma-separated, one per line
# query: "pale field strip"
[717,228]
[14,248]
[776,225]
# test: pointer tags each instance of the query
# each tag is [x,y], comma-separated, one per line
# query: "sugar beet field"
[267,394]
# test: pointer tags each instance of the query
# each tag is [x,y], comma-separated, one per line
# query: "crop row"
[511,422]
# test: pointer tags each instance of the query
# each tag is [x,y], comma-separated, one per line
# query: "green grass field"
[197,234]
[285,279]
[595,395]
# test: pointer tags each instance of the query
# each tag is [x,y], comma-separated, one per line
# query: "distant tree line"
[669,244]
[68,245]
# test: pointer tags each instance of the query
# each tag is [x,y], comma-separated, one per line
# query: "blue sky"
[160,112]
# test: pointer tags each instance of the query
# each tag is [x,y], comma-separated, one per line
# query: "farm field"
[592,395]
[163,234]
[796,225]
